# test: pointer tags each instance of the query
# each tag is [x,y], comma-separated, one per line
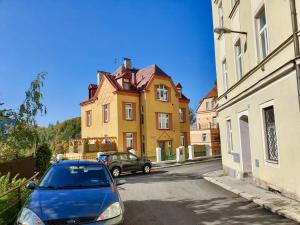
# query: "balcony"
[205,126]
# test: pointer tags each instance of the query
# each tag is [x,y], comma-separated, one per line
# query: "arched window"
[162,93]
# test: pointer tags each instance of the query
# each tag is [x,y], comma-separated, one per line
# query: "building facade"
[206,130]
[258,96]
[140,108]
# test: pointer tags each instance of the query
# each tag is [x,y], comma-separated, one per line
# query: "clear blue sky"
[72,39]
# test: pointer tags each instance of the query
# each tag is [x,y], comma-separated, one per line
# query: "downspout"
[296,43]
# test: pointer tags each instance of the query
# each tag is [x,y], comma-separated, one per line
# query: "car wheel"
[116,171]
[147,169]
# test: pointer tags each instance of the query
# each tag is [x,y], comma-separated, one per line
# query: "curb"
[184,164]
[261,202]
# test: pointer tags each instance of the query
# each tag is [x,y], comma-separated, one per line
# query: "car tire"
[146,169]
[115,172]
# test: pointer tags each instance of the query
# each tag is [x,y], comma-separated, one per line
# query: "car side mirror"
[120,182]
[30,185]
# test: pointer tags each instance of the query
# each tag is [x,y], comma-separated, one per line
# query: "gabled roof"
[213,93]
[144,75]
[140,80]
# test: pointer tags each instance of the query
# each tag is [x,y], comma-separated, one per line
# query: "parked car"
[119,162]
[74,192]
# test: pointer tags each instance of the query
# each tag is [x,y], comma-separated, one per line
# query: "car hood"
[71,203]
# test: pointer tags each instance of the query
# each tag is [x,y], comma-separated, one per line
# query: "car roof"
[76,163]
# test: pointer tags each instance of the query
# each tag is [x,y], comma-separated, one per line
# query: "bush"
[43,156]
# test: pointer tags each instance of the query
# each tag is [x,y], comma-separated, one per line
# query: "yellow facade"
[147,135]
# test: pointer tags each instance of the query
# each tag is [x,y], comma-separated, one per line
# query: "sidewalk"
[276,203]
[172,163]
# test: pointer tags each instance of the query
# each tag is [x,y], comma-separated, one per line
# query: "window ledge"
[234,9]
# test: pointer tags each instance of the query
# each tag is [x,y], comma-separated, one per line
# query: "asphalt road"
[180,195]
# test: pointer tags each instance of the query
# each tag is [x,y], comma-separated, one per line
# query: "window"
[123,157]
[220,15]
[89,118]
[162,93]
[207,105]
[163,121]
[204,137]
[262,34]
[238,59]
[129,140]
[182,139]
[179,92]
[106,113]
[270,134]
[142,114]
[128,111]
[132,157]
[143,144]
[225,75]
[126,84]
[229,135]
[181,115]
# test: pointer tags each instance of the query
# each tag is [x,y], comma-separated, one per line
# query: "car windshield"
[103,157]
[76,176]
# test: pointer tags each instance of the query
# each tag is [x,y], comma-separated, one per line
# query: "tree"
[192,116]
[21,133]
[43,156]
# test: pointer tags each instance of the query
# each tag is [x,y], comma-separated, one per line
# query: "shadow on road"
[215,211]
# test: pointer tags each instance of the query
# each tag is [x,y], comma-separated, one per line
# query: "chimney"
[127,63]
[98,77]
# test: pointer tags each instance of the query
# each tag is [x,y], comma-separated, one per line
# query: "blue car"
[74,192]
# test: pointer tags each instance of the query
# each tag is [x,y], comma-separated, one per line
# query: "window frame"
[181,115]
[259,32]
[89,118]
[162,93]
[268,161]
[239,59]
[132,139]
[128,116]
[166,120]
[225,75]
[229,136]
[105,111]
[204,135]
[182,139]
[126,84]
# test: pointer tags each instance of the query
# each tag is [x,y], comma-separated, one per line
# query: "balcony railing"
[98,144]
[205,126]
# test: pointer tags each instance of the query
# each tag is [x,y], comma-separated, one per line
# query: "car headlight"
[112,211]
[28,217]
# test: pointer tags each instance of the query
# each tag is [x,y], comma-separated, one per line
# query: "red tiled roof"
[213,93]
[143,78]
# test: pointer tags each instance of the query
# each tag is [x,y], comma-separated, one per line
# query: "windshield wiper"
[49,187]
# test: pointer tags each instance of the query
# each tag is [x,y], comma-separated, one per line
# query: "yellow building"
[206,130]
[141,108]
[257,61]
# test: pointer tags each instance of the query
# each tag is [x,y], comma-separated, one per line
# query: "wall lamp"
[224,30]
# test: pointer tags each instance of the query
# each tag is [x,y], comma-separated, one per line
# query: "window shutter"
[170,122]
[156,120]
[133,111]
[155,92]
[169,94]
[135,141]
[108,112]
[123,111]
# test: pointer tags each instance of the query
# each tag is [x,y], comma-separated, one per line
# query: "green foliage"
[8,182]
[43,156]
[192,116]
[58,135]
[19,136]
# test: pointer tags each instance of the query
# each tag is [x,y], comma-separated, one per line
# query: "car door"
[134,162]
[124,159]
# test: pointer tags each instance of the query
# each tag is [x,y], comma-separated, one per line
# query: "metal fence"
[12,200]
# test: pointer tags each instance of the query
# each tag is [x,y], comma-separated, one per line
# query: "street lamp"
[224,30]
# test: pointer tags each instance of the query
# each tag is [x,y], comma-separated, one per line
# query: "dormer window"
[126,84]
[179,92]
[162,93]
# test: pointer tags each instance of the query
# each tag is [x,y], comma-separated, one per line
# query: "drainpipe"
[296,42]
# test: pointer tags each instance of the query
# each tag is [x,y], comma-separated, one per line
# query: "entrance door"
[162,146]
[245,144]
